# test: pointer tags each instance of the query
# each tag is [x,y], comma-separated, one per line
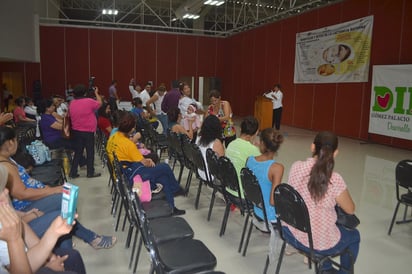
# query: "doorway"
[13,83]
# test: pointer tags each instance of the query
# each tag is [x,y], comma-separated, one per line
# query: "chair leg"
[282,252]
[212,202]
[248,238]
[118,216]
[129,235]
[180,173]
[199,189]
[243,233]
[133,247]
[126,217]
[225,218]
[266,265]
[139,248]
[393,218]
[188,181]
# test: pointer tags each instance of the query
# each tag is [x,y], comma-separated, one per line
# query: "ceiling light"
[110,11]
[190,16]
[214,2]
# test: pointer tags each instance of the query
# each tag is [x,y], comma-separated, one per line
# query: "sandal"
[103,242]
[158,188]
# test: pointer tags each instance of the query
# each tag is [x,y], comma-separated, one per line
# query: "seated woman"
[321,188]
[51,128]
[103,120]
[28,193]
[142,115]
[127,151]
[268,172]
[210,133]
[15,236]
[175,118]
[19,114]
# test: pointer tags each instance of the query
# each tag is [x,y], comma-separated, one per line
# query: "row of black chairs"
[221,175]
[161,234]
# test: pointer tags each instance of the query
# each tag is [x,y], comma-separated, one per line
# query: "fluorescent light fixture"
[190,16]
[214,2]
[110,11]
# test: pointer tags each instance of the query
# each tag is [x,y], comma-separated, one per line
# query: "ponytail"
[325,145]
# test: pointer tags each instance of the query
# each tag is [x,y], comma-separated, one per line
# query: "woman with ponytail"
[322,189]
[268,172]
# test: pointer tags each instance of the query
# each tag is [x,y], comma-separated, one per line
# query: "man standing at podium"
[276,96]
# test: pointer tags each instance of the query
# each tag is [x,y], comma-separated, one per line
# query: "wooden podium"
[263,112]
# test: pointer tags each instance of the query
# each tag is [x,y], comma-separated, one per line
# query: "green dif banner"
[334,54]
[391,101]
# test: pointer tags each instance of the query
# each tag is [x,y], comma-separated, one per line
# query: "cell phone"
[69,202]
[91,83]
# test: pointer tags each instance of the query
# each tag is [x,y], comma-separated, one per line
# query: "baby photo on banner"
[391,101]
[334,54]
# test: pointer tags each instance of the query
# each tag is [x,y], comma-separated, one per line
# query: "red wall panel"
[324,107]
[101,65]
[187,56]
[347,109]
[123,61]
[206,56]
[273,40]
[302,107]
[258,65]
[52,60]
[287,66]
[166,59]
[406,41]
[77,56]
[145,57]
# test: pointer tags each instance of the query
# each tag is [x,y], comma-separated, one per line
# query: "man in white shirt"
[276,96]
[133,89]
[145,94]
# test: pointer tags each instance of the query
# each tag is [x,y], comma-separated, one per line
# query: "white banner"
[391,101]
[334,54]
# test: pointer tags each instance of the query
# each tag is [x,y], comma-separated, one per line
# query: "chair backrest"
[199,161]
[213,163]
[252,190]
[228,174]
[403,173]
[291,209]
[186,147]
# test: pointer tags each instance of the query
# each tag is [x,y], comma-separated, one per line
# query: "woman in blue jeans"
[126,151]
[322,188]
[28,193]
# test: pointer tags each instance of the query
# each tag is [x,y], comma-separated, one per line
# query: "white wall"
[19,29]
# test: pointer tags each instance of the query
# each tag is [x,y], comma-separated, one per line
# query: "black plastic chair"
[403,174]
[230,180]
[291,209]
[175,148]
[184,255]
[200,165]
[187,149]
[214,176]
[253,193]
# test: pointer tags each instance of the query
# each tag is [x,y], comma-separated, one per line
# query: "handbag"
[142,188]
[39,151]
[349,221]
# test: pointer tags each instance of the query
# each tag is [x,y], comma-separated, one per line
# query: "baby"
[191,116]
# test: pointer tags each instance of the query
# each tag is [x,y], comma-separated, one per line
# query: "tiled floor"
[368,169]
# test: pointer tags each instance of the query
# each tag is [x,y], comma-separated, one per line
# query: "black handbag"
[349,221]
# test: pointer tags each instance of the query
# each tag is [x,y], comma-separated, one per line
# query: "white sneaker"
[260,225]
[158,188]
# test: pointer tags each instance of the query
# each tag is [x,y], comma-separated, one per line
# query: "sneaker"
[177,211]
[261,226]
[158,188]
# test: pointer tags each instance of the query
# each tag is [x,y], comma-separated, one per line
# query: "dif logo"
[385,98]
